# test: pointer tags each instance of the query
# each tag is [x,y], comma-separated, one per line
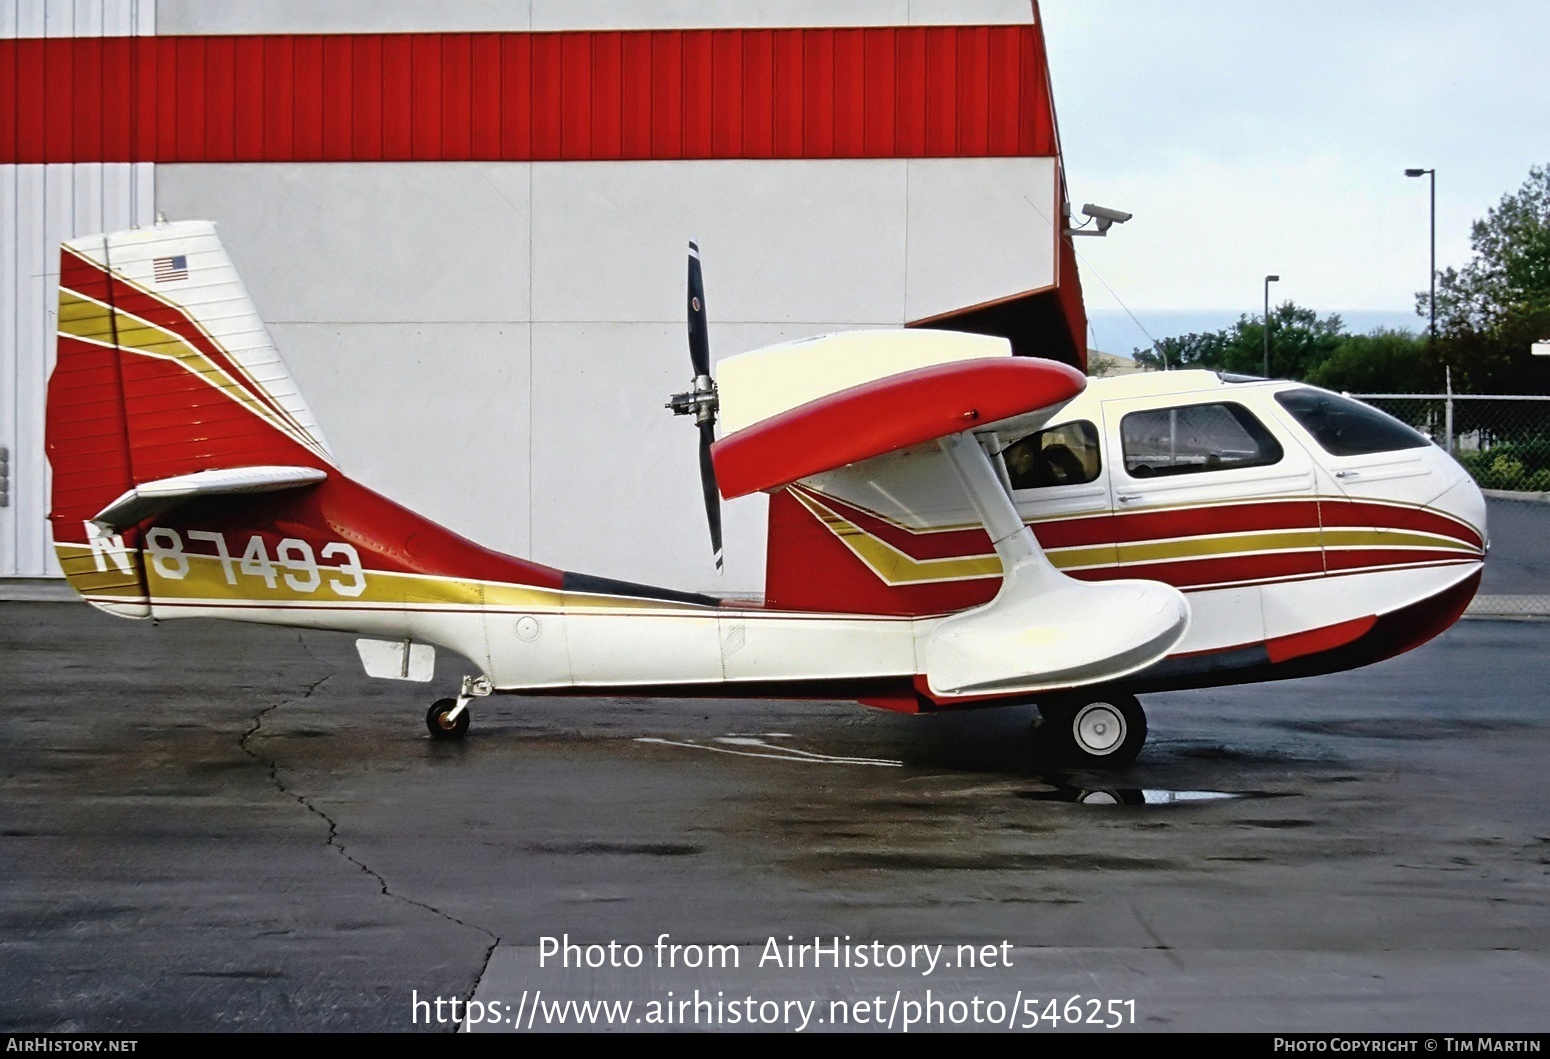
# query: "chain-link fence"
[1504,441]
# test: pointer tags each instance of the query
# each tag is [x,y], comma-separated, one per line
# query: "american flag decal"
[168,269]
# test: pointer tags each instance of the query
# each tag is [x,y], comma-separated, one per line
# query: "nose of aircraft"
[1462,498]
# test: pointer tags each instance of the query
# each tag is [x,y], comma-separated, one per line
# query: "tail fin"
[168,391]
[164,369]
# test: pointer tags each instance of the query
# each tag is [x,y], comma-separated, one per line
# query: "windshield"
[1345,427]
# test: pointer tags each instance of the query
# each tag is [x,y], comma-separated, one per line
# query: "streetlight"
[1431,333]
[1268,281]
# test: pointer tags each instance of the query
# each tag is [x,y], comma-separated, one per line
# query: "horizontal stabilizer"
[153,498]
[886,415]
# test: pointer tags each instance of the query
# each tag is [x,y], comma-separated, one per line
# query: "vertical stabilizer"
[164,369]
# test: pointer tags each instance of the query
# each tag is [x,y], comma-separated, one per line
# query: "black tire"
[440,728]
[1096,730]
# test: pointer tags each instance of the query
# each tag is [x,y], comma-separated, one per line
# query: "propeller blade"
[699,338]
[708,484]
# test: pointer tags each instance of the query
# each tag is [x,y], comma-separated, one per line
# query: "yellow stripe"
[895,567]
[85,318]
[81,570]
[1391,538]
[206,581]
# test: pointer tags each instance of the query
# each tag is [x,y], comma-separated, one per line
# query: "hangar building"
[466,223]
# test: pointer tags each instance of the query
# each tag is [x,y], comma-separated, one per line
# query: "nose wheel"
[1094,730]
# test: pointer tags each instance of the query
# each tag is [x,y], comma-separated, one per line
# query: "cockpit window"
[1344,427]
[1195,438]
[1063,455]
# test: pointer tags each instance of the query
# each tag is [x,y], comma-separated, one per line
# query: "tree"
[1299,343]
[1490,311]
[1383,361]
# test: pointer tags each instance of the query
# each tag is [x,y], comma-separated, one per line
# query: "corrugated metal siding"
[887,92]
[40,207]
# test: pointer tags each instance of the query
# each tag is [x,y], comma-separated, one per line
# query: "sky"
[1257,138]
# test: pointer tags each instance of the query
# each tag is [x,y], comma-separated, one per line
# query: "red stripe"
[1296,645]
[1227,569]
[883,92]
[1145,526]
[942,544]
[76,275]
[1392,516]
[1363,558]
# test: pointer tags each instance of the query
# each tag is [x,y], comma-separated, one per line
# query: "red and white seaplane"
[950,525]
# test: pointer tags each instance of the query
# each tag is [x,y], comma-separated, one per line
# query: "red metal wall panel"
[698,95]
[635,95]
[788,93]
[793,93]
[516,96]
[397,98]
[221,90]
[485,99]
[457,129]
[425,85]
[338,98]
[544,94]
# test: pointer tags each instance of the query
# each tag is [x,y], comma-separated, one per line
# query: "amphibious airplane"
[950,525]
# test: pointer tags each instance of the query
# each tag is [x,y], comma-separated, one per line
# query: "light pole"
[1432,303]
[1431,331]
[1268,281]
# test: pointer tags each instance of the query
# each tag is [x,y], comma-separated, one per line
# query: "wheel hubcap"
[1099,728]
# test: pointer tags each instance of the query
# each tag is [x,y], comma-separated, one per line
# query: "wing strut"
[1044,629]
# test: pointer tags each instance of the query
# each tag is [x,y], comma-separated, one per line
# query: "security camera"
[1103,214]
[1103,217]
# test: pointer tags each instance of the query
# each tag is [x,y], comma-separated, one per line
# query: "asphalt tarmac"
[219,827]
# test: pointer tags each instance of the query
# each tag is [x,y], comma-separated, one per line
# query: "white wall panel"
[372,276]
[375,242]
[27,360]
[40,206]
[399,16]
[695,14]
[76,18]
[335,16]
[12,289]
[970,12]
[434,416]
[980,229]
[59,18]
[782,240]
[616,477]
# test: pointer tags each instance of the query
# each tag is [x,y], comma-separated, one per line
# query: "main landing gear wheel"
[1095,730]
[441,723]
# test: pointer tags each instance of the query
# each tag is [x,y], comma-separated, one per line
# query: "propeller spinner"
[702,402]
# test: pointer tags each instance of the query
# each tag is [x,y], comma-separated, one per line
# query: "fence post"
[1447,417]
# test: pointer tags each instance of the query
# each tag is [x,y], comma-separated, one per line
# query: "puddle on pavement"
[760,746]
[1058,792]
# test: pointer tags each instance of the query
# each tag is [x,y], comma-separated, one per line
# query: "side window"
[1344,427]
[1196,438]
[1063,455]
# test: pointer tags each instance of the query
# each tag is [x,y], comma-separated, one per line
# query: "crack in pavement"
[333,827]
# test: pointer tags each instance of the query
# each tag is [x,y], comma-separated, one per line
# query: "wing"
[889,414]
[1044,629]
